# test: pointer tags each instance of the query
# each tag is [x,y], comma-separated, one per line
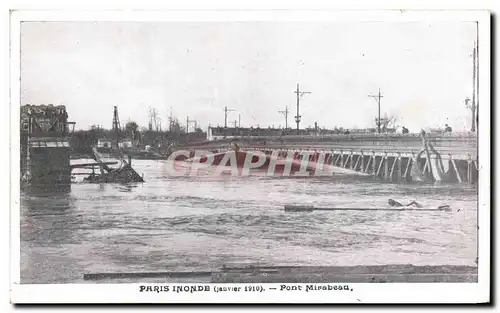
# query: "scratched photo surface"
[249,152]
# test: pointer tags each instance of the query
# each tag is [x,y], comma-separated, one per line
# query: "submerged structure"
[45,149]
[45,153]
[122,174]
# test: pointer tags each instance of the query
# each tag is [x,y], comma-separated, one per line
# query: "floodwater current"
[205,222]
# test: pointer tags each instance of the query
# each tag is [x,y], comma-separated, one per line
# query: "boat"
[273,164]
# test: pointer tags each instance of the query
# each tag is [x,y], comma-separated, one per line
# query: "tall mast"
[477,73]
[377,98]
[225,115]
[298,117]
[473,106]
[116,125]
[188,122]
[285,113]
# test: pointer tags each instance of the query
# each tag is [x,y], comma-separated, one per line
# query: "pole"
[116,125]
[239,120]
[377,98]
[379,110]
[285,113]
[225,115]
[298,117]
[170,121]
[477,74]
[473,106]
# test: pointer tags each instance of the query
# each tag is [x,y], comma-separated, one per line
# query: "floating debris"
[310,208]
[122,174]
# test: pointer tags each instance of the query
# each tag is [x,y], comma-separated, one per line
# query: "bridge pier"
[363,164]
[398,170]
[386,168]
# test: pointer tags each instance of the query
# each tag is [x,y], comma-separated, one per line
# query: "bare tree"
[153,119]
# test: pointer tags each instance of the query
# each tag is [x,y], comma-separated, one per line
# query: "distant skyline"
[424,71]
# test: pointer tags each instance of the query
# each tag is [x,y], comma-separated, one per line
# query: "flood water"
[203,223]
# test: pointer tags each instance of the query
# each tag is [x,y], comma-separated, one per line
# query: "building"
[104,143]
[216,133]
[125,143]
[44,120]
[45,150]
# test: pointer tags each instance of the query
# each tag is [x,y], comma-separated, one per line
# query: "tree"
[95,128]
[131,129]
[386,122]
[176,126]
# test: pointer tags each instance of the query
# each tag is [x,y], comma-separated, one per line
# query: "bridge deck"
[461,146]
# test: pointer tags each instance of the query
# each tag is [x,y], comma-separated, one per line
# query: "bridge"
[394,157]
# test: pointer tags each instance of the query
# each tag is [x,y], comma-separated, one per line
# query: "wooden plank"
[356,269]
[343,278]
[99,276]
[91,164]
[298,208]
[338,275]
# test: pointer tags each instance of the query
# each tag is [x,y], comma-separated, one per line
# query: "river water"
[205,222]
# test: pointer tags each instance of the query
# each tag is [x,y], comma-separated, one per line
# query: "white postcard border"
[372,293]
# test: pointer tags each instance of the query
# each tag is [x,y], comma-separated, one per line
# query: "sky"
[423,69]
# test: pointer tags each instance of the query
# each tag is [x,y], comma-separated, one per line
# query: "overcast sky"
[424,71]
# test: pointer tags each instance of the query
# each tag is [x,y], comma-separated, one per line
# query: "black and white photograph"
[275,159]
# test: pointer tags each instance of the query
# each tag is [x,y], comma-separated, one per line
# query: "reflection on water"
[201,223]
